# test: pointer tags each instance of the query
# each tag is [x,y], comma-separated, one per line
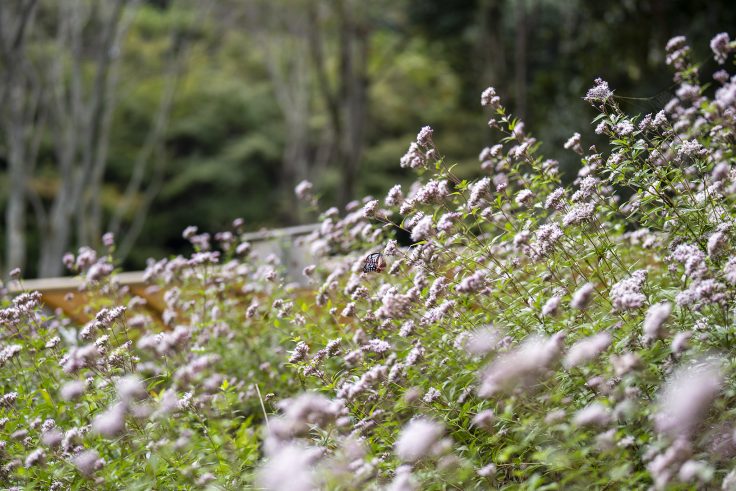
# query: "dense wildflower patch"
[533,335]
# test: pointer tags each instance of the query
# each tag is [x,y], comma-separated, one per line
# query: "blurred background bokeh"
[144,117]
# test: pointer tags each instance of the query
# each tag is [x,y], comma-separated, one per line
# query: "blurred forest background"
[144,117]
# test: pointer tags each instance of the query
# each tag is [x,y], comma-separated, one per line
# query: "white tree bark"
[17,98]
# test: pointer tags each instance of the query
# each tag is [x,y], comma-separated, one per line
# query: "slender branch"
[153,144]
[320,66]
[102,145]
[97,111]
[153,139]
[127,242]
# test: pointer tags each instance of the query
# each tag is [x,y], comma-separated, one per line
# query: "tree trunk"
[353,95]
[288,37]
[520,58]
[16,94]
[490,48]
[15,214]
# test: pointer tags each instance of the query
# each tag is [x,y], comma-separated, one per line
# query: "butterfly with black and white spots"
[374,262]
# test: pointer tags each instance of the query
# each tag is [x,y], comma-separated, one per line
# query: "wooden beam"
[55,293]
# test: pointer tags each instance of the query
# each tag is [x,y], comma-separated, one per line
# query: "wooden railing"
[64,293]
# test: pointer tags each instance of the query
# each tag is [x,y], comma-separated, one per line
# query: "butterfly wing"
[372,262]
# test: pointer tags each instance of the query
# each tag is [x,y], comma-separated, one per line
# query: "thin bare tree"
[347,99]
[19,96]
[66,89]
[281,32]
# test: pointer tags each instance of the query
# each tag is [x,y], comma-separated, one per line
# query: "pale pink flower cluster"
[520,367]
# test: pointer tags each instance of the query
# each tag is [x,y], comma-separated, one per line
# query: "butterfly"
[374,262]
